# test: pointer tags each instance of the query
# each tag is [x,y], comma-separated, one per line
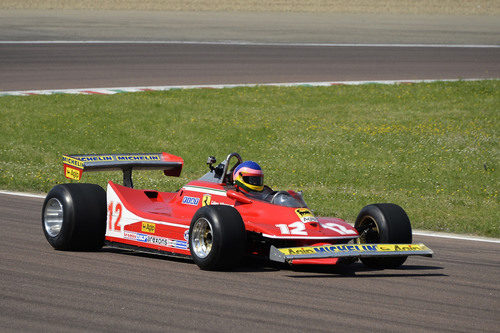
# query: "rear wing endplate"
[349,251]
[75,165]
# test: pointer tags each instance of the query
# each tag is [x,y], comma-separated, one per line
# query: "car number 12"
[299,228]
[111,212]
[296,228]
[338,228]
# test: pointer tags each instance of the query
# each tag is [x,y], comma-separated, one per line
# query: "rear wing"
[75,165]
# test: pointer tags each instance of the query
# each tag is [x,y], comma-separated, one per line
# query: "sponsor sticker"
[130,235]
[175,243]
[190,201]
[141,238]
[186,234]
[148,227]
[162,241]
[298,250]
[305,215]
[354,248]
[79,162]
[94,158]
[213,202]
[73,162]
[72,173]
[178,244]
[401,247]
[207,200]
[137,157]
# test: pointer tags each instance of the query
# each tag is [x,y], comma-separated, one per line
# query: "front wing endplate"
[349,251]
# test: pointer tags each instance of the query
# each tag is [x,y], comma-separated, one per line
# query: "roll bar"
[221,173]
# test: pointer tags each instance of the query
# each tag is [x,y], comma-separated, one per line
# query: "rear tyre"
[386,224]
[74,217]
[217,237]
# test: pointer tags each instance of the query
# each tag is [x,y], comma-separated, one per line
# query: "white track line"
[415,232]
[247,43]
[21,194]
[111,91]
[455,236]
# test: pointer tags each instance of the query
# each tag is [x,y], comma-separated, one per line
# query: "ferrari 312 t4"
[212,222]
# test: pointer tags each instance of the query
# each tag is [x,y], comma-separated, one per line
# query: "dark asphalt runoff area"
[62,66]
[42,289]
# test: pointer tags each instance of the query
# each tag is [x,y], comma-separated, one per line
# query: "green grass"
[431,148]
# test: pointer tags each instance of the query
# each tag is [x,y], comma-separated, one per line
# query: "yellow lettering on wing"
[73,162]
[400,247]
[137,158]
[297,250]
[96,158]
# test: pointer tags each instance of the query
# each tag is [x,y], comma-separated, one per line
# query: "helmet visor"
[254,180]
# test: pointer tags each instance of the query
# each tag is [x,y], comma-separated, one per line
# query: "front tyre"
[74,217]
[217,237]
[385,224]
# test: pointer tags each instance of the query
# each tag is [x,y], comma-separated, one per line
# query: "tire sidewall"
[393,227]
[60,241]
[229,237]
[216,234]
[84,216]
[392,222]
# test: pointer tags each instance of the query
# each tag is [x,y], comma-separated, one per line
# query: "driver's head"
[248,176]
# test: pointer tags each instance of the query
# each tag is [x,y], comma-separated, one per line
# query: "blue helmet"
[248,176]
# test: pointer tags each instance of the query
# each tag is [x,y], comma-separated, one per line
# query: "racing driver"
[249,179]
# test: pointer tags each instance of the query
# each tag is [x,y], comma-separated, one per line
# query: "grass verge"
[454,7]
[431,148]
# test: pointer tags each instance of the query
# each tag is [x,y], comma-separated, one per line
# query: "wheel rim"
[202,238]
[53,217]
[368,231]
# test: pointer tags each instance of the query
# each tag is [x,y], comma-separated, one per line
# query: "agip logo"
[72,173]
[148,227]
[305,215]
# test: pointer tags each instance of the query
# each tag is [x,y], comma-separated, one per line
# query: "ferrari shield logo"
[206,200]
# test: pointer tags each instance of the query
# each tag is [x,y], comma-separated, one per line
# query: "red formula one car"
[212,222]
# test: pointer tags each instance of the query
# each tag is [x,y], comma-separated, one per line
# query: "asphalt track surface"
[63,66]
[248,26]
[57,66]
[112,290]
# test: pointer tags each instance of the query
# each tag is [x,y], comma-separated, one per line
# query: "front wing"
[348,251]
